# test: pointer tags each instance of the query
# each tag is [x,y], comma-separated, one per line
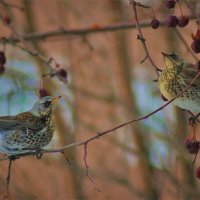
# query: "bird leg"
[195,117]
[14,157]
[39,153]
[34,151]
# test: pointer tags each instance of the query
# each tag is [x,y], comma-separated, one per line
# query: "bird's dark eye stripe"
[47,103]
[174,56]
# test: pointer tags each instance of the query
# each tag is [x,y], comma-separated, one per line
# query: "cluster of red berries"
[193,147]
[171,20]
[2,62]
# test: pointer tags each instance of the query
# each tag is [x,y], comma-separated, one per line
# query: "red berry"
[2,69]
[197,65]
[183,21]
[155,23]
[196,46]
[171,21]
[62,72]
[198,172]
[2,58]
[170,3]
[192,145]
[196,36]
[7,19]
[43,92]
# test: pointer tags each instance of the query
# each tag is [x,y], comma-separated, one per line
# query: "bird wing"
[7,124]
[188,72]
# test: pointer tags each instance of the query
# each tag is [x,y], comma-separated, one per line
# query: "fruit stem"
[180,7]
[154,16]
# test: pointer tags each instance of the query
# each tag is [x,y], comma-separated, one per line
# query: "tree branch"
[33,152]
[85,31]
[141,37]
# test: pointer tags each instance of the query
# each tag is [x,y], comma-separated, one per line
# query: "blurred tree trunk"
[123,78]
[61,127]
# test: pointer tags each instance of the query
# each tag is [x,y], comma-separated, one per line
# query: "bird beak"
[165,54]
[56,99]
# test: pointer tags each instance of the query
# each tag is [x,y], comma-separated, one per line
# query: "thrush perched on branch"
[30,130]
[175,77]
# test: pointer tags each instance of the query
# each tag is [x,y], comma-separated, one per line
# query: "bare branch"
[141,37]
[85,31]
[87,168]
[10,5]
[186,44]
[8,179]
[33,152]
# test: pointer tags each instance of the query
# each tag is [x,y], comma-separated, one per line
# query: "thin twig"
[8,178]
[87,168]
[141,37]
[100,134]
[186,44]
[10,5]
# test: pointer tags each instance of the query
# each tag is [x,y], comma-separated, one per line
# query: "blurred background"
[107,85]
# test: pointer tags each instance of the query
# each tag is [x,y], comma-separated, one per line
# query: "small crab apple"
[170,3]
[155,23]
[7,19]
[183,21]
[43,92]
[2,58]
[196,41]
[192,145]
[197,65]
[63,73]
[171,21]
[198,172]
[2,69]
[196,46]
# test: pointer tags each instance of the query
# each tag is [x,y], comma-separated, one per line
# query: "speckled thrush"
[28,130]
[175,77]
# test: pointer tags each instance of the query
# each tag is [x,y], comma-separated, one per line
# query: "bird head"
[44,106]
[173,60]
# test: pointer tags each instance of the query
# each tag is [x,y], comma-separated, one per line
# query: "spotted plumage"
[29,130]
[175,77]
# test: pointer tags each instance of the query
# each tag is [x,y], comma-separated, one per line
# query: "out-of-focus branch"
[11,5]
[85,31]
[51,63]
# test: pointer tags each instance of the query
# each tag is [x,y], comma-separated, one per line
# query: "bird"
[28,131]
[175,77]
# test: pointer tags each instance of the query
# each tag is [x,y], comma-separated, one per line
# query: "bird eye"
[173,56]
[47,103]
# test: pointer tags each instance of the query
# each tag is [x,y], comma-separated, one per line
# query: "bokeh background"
[107,85]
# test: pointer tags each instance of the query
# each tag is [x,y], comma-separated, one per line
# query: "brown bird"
[31,130]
